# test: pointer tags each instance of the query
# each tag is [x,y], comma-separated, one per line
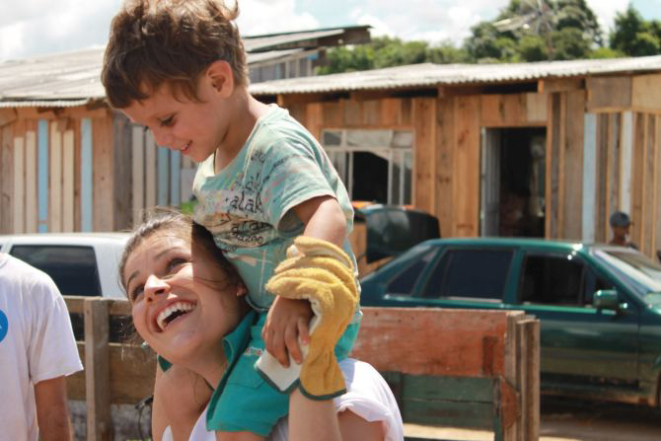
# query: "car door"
[468,277]
[580,344]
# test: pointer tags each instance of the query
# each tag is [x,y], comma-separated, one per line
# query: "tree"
[569,24]
[386,52]
[634,36]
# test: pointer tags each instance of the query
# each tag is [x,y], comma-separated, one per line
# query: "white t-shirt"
[36,344]
[368,396]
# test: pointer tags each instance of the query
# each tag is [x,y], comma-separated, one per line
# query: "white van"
[81,264]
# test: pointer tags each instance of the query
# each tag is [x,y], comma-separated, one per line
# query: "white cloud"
[270,16]
[35,27]
[433,20]
[605,11]
[379,27]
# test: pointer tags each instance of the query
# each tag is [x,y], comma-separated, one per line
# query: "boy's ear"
[219,74]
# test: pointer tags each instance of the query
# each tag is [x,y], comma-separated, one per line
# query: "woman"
[187,304]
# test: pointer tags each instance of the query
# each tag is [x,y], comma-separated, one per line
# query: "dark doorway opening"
[513,182]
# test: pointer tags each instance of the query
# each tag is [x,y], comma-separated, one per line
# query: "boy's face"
[195,128]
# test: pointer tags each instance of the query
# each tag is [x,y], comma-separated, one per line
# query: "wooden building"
[69,163]
[538,149]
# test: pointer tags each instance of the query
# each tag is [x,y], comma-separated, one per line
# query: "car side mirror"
[606,299]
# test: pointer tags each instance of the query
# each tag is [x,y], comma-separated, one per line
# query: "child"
[179,68]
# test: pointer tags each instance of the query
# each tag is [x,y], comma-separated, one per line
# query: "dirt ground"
[571,420]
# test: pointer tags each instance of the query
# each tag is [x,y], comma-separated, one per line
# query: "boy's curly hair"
[153,42]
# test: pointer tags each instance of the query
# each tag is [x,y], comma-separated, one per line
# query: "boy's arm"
[289,319]
[324,219]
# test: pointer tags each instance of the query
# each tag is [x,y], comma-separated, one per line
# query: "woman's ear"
[241,290]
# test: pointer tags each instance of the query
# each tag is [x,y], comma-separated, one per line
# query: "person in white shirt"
[37,352]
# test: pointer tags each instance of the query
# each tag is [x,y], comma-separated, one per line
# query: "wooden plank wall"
[565,143]
[446,171]
[97,170]
[627,175]
[41,170]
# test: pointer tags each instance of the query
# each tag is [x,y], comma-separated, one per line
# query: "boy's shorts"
[248,402]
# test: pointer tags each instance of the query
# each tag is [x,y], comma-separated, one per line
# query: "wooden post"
[97,368]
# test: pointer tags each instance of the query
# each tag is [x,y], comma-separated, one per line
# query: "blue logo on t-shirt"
[4,326]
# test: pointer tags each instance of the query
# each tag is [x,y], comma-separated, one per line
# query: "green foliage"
[387,52]
[634,36]
[569,31]
[606,52]
[533,48]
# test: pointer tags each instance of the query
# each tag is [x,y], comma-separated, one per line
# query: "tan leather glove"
[322,273]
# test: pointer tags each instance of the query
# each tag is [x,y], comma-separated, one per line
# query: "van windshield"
[637,271]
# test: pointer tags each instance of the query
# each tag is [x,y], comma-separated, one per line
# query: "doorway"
[513,182]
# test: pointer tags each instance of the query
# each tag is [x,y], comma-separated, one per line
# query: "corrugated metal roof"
[65,76]
[53,103]
[257,43]
[69,76]
[432,75]
[75,75]
[59,79]
[260,57]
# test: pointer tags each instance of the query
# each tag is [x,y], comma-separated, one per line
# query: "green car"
[599,306]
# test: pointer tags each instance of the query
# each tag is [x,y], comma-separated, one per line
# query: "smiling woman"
[188,304]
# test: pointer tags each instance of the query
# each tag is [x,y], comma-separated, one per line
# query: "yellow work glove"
[318,271]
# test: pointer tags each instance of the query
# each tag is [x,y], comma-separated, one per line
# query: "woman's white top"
[368,396]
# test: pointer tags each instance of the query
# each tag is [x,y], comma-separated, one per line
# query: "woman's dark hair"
[166,219]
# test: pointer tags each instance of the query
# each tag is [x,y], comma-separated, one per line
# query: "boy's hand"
[287,320]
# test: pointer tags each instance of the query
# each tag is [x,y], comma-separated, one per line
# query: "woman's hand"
[287,321]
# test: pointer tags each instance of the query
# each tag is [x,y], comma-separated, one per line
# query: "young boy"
[179,68]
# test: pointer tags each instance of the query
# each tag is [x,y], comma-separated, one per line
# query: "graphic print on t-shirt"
[4,325]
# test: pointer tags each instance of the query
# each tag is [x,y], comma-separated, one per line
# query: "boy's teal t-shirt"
[248,205]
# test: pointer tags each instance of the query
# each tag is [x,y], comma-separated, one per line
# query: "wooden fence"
[457,368]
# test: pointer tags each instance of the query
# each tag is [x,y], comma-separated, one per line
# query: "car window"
[405,281]
[594,283]
[552,279]
[479,274]
[72,268]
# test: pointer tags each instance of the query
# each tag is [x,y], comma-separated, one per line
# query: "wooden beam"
[30,179]
[589,204]
[68,181]
[56,161]
[608,93]
[646,93]
[466,197]
[103,156]
[445,177]
[573,165]
[7,116]
[626,146]
[553,85]
[97,370]
[7,173]
[648,241]
[122,175]
[424,172]
[137,172]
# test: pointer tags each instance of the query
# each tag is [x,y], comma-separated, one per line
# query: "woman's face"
[181,301]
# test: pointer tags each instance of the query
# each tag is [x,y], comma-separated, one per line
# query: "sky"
[31,28]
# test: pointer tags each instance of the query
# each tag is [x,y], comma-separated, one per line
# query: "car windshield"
[638,271]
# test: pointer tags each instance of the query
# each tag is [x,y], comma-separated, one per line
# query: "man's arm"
[52,410]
